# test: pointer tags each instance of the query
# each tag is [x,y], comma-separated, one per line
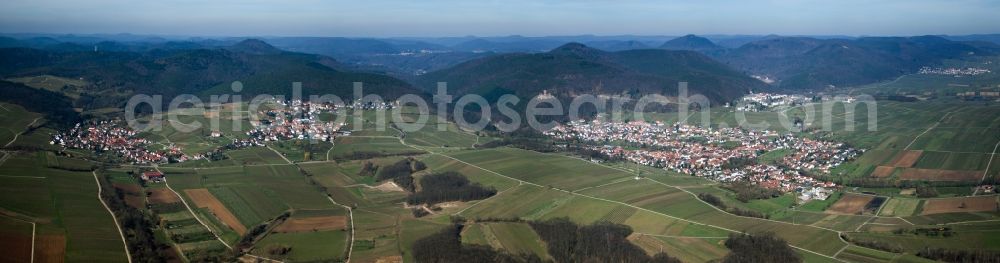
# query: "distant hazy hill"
[577,69]
[795,62]
[261,67]
[993,38]
[254,46]
[693,43]
[340,46]
[798,62]
[510,44]
[617,45]
[396,56]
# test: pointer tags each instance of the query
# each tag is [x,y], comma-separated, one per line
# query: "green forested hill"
[262,69]
[799,62]
[694,43]
[574,69]
[57,108]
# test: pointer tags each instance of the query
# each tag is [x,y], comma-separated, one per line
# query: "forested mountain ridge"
[177,67]
[803,63]
[575,69]
[693,43]
[795,62]
[261,68]
[57,108]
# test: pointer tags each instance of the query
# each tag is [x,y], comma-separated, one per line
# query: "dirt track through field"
[128,253]
[204,199]
[319,223]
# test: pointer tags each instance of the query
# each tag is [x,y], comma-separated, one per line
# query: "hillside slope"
[693,43]
[799,62]
[574,69]
[261,68]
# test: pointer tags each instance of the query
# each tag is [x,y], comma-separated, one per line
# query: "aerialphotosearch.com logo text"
[690,108]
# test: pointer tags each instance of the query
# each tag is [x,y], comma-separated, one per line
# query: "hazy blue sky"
[471,17]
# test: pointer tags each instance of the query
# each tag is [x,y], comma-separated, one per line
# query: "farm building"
[152,176]
[815,193]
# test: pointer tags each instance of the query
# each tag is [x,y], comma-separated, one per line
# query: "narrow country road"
[100,190]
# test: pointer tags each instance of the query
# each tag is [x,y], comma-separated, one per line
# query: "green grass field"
[430,135]
[862,254]
[184,231]
[608,194]
[255,155]
[424,134]
[659,202]
[63,204]
[376,236]
[413,230]
[343,147]
[306,246]
[900,207]
[941,85]
[953,160]
[543,169]
[69,87]
[257,184]
[251,204]
[257,194]
[965,237]
[517,238]
[439,163]
[961,142]
[475,234]
[303,150]
[14,120]
[372,123]
[685,249]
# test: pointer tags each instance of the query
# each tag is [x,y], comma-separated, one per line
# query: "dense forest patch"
[400,172]
[446,246]
[763,247]
[448,186]
[566,242]
[601,242]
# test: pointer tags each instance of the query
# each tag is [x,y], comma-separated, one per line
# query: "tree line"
[446,246]
[524,138]
[959,255]
[745,191]
[363,155]
[566,241]
[401,173]
[874,244]
[137,226]
[761,248]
